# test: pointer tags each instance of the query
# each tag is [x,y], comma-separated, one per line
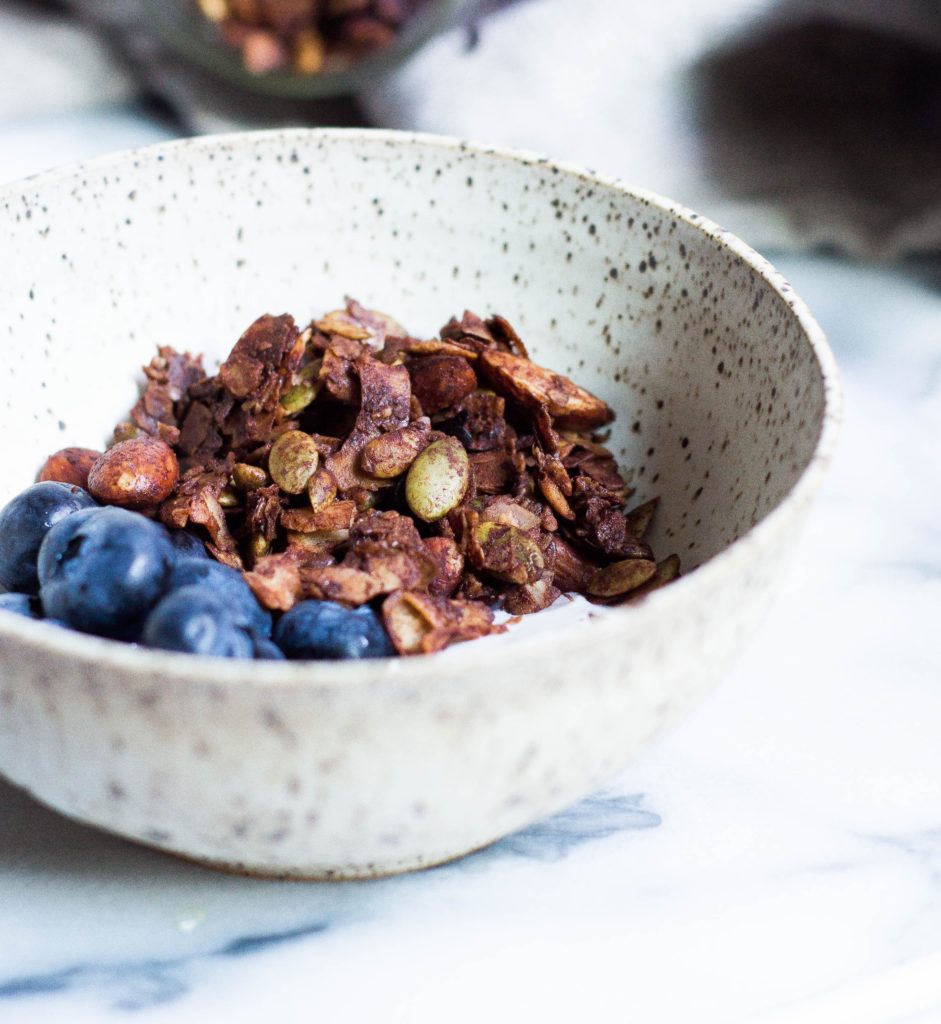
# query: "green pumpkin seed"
[293,460]
[437,480]
[248,478]
[296,399]
[620,577]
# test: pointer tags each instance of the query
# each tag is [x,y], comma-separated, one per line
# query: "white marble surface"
[777,860]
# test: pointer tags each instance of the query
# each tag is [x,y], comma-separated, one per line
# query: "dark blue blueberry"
[195,621]
[25,521]
[325,629]
[187,544]
[227,584]
[105,575]
[21,604]
[51,554]
[266,650]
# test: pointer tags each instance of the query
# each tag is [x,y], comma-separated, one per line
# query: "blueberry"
[21,604]
[187,544]
[227,584]
[266,650]
[51,554]
[325,629]
[23,524]
[196,621]
[104,575]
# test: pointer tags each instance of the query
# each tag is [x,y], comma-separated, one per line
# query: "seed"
[293,460]
[248,478]
[299,397]
[667,570]
[437,479]
[259,545]
[620,577]
[228,498]
[321,488]
[126,431]
[552,493]
[638,519]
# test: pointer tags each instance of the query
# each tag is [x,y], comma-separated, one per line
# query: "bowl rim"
[95,652]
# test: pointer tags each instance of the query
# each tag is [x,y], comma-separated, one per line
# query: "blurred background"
[798,124]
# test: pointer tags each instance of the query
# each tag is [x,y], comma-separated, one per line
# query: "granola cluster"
[436,480]
[309,37]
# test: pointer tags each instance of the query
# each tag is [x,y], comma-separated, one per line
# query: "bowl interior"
[720,398]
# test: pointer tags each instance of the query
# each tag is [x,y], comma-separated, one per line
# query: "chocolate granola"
[435,479]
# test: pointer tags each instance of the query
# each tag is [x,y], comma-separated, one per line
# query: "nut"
[507,512]
[441,381]
[135,474]
[509,554]
[389,455]
[533,387]
[70,466]
[437,479]
[449,564]
[293,460]
[321,488]
[620,577]
[338,515]
[340,583]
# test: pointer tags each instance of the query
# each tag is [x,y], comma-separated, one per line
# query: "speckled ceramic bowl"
[725,393]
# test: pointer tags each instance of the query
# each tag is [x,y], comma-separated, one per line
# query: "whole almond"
[70,466]
[136,474]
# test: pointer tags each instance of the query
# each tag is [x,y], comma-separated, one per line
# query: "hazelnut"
[70,466]
[441,381]
[136,474]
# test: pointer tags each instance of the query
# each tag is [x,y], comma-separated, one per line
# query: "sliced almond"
[532,386]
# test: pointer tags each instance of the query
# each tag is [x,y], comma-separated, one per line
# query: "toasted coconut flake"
[531,597]
[422,623]
[340,583]
[276,582]
[449,565]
